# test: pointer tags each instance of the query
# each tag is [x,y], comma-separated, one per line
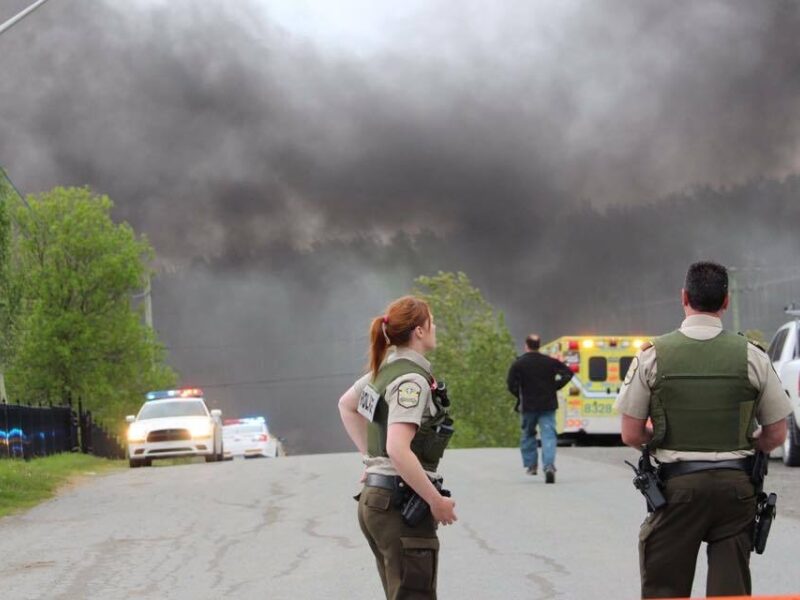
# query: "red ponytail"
[394,328]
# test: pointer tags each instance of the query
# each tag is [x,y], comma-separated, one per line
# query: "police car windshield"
[178,408]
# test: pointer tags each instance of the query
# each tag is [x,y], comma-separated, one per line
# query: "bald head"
[532,342]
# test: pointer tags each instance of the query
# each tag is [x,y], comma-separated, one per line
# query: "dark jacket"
[532,380]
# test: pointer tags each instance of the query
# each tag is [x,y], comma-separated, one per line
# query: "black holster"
[765,503]
[648,482]
[414,509]
[765,514]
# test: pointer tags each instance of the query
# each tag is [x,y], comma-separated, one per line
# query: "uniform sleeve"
[634,396]
[773,404]
[408,397]
[360,384]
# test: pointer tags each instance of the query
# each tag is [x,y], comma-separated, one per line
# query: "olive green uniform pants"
[716,507]
[406,557]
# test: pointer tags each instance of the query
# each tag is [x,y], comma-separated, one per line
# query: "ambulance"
[600,364]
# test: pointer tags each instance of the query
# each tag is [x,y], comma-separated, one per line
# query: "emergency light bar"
[590,342]
[244,421]
[253,420]
[184,393]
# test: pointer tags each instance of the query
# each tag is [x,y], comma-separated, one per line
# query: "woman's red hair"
[396,324]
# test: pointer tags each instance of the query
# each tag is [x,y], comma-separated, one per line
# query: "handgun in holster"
[765,503]
[415,509]
[648,482]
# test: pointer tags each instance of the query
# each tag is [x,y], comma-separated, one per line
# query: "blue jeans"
[546,420]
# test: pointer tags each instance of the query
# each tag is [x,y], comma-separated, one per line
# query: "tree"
[473,354]
[77,333]
[757,336]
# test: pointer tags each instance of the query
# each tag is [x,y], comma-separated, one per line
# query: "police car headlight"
[136,433]
[201,430]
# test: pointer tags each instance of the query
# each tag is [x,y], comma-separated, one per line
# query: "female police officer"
[394,416]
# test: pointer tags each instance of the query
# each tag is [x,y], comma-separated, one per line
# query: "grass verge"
[25,484]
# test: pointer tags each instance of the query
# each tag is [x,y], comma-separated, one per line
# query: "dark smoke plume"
[571,158]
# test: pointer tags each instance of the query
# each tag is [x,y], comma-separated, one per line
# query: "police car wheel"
[134,464]
[791,447]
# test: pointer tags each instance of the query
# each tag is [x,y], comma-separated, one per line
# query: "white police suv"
[174,423]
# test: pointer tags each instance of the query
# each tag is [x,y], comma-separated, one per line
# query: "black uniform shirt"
[534,379]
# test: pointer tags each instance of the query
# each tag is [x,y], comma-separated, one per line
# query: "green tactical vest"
[427,445]
[703,400]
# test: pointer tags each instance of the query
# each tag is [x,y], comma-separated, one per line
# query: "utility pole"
[148,303]
[21,15]
[733,291]
[147,297]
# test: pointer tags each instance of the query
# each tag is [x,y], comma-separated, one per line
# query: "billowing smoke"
[571,157]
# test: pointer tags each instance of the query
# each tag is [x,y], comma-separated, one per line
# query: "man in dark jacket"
[533,380]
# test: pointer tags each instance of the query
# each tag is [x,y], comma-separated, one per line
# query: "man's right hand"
[443,511]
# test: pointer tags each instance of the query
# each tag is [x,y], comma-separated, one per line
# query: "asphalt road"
[286,528]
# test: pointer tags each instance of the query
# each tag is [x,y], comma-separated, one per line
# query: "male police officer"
[706,390]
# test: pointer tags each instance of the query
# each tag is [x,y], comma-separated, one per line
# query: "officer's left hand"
[443,511]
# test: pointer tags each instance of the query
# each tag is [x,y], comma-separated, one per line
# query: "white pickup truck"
[784,351]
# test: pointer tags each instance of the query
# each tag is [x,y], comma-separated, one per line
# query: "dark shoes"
[549,474]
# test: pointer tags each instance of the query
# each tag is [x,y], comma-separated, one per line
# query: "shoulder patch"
[757,345]
[647,346]
[408,394]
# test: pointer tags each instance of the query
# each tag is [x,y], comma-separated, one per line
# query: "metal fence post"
[7,429]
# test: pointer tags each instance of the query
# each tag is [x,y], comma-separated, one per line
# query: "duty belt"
[387,482]
[670,470]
